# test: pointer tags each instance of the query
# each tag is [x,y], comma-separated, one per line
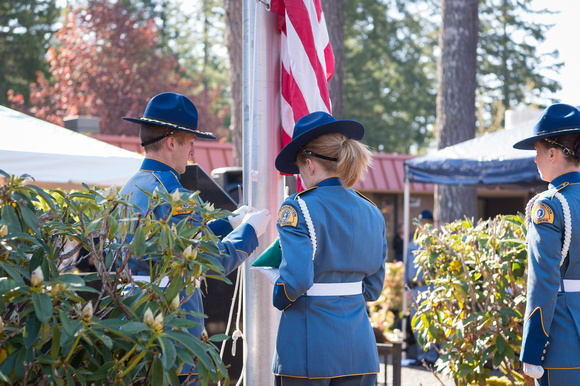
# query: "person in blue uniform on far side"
[333,249]
[169,127]
[415,282]
[550,350]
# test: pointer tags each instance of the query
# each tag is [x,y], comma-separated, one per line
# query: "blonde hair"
[354,157]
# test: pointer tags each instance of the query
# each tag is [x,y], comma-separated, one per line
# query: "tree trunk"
[233,38]
[456,99]
[334,15]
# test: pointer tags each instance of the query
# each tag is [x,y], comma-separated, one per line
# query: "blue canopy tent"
[484,160]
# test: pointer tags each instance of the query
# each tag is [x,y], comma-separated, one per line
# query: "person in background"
[415,282]
[333,251]
[550,350]
[169,128]
[398,244]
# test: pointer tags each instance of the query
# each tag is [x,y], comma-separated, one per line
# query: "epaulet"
[168,180]
[556,189]
[304,191]
[366,198]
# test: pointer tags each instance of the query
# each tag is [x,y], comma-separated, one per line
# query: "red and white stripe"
[307,61]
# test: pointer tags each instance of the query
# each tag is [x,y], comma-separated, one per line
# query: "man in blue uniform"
[169,127]
[551,337]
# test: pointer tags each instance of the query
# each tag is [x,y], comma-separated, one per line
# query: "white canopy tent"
[58,157]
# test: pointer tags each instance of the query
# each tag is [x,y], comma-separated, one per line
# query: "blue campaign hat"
[557,119]
[171,110]
[425,215]
[312,126]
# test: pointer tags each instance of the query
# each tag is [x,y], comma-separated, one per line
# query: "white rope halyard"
[567,221]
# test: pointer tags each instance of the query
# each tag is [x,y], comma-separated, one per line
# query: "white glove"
[533,371]
[238,215]
[258,221]
[272,274]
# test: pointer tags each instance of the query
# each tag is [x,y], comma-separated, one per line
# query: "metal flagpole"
[406,220]
[262,183]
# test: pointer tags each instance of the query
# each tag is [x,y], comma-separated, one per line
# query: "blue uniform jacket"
[237,244]
[328,336]
[551,336]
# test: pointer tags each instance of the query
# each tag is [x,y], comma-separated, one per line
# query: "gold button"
[542,358]
[544,352]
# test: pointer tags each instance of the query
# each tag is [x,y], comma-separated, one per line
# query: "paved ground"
[413,376]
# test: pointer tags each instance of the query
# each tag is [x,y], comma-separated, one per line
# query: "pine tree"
[26,27]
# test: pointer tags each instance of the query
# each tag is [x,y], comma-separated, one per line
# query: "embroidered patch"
[542,213]
[183,209]
[287,216]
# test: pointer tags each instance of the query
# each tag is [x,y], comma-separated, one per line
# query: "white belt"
[335,289]
[147,279]
[570,285]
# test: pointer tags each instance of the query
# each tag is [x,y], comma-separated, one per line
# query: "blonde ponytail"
[354,158]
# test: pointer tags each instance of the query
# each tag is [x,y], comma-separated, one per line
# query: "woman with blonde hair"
[333,248]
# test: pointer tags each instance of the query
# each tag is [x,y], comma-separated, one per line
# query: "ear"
[170,142]
[310,166]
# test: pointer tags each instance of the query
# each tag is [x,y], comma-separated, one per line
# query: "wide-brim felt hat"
[174,111]
[312,126]
[557,119]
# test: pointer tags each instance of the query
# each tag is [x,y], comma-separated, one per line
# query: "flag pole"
[263,185]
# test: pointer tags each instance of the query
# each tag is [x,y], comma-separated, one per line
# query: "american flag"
[307,61]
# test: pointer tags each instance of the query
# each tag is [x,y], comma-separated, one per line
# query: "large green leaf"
[31,329]
[42,305]
[167,351]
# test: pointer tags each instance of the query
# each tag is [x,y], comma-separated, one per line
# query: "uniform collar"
[565,180]
[330,181]
[152,165]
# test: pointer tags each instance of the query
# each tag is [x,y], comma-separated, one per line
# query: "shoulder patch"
[287,216]
[183,209]
[542,213]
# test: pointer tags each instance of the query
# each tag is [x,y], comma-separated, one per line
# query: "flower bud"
[189,253]
[158,323]
[175,302]
[176,195]
[1,325]
[87,312]
[37,277]
[204,336]
[111,193]
[3,230]
[209,207]
[148,317]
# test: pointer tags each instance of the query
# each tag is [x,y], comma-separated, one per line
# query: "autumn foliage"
[108,64]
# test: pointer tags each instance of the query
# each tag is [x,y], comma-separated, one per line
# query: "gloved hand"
[238,215]
[258,220]
[533,371]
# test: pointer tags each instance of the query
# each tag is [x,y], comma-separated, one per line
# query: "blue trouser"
[353,380]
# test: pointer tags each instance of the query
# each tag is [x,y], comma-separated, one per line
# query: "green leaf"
[29,217]
[31,329]
[42,306]
[218,338]
[133,327]
[168,351]
[10,217]
[157,372]
[55,345]
[69,278]
[139,245]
